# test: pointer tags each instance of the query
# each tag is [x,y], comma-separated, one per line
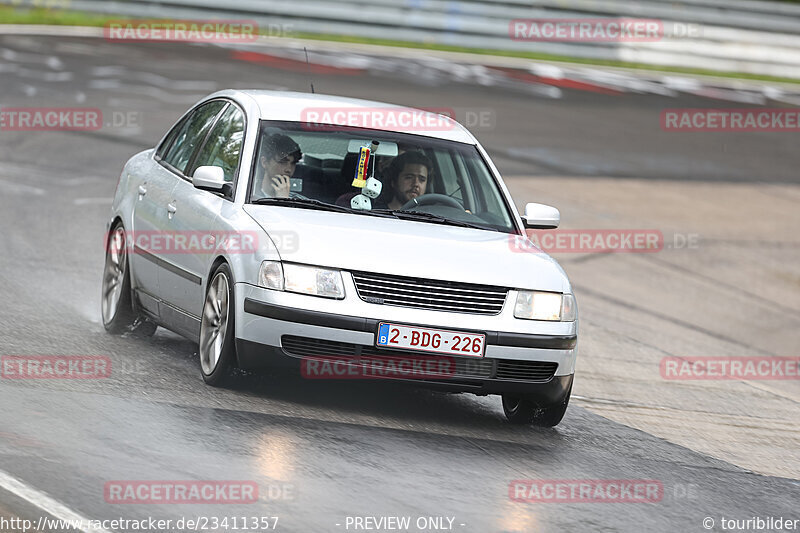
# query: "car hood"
[407,248]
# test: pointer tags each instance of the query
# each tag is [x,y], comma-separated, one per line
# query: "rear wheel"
[522,410]
[119,315]
[217,346]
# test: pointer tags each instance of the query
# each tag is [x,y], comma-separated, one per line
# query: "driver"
[409,175]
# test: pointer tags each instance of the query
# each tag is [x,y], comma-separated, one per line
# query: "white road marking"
[54,63]
[92,201]
[51,61]
[178,85]
[153,92]
[731,95]
[43,75]
[8,55]
[45,502]
[107,70]
[681,84]
[22,174]
[149,78]
[547,71]
[20,188]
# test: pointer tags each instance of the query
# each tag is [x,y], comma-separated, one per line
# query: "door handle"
[171,208]
[142,191]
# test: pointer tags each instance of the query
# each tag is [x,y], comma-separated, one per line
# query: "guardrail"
[747,36]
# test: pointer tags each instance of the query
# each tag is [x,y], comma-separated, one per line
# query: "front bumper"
[281,328]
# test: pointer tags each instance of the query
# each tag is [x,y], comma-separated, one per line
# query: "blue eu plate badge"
[383,335]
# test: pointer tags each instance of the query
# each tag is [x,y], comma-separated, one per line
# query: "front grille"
[307,347]
[525,370]
[429,294]
[465,367]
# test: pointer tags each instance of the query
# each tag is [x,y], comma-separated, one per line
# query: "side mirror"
[209,179]
[540,216]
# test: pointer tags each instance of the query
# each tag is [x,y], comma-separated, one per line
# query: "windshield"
[409,176]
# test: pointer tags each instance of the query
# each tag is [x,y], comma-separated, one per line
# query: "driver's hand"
[277,186]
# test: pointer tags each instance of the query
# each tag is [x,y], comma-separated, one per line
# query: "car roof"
[299,107]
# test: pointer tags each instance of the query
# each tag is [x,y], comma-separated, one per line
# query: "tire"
[217,346]
[522,410]
[116,302]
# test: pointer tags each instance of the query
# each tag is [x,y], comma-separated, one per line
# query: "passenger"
[279,155]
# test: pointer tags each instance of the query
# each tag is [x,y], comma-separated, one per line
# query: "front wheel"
[217,346]
[522,410]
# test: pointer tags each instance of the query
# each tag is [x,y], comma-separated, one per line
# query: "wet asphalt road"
[319,452]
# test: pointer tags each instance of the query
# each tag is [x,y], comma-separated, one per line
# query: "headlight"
[553,306]
[301,279]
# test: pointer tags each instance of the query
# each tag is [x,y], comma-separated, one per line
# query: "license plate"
[430,340]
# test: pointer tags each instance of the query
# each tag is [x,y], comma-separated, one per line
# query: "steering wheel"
[432,199]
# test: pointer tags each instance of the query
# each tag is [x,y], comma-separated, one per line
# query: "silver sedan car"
[349,238]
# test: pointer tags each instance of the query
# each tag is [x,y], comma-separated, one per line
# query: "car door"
[195,221]
[152,213]
[152,184]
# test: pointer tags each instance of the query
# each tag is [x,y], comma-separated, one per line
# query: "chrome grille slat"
[430,294]
[432,307]
[428,284]
[495,299]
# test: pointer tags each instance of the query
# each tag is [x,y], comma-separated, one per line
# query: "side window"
[224,145]
[448,175]
[190,133]
[464,178]
[162,149]
[479,174]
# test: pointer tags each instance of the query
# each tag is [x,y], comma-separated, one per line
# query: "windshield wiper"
[310,203]
[300,202]
[436,219]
